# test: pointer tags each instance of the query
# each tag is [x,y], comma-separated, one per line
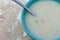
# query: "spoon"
[30,11]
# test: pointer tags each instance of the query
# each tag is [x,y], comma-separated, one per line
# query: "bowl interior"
[22,19]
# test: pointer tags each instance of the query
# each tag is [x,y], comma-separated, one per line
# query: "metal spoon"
[30,11]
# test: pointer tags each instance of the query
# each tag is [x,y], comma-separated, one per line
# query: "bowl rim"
[22,19]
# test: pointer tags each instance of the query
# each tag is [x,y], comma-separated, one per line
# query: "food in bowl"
[46,23]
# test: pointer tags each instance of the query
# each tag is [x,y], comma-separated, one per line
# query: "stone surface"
[10,28]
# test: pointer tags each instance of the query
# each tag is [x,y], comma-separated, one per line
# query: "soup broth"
[46,23]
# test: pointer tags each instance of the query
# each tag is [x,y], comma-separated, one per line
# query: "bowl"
[22,20]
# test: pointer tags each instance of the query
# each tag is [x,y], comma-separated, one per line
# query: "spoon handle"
[30,11]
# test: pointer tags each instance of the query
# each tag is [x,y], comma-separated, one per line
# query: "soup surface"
[46,23]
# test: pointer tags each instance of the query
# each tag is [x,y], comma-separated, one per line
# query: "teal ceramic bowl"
[22,20]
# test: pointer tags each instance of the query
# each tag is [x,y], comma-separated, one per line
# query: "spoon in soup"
[26,8]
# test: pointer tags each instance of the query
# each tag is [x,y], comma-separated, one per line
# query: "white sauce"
[46,24]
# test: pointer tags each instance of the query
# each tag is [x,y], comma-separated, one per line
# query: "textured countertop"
[10,28]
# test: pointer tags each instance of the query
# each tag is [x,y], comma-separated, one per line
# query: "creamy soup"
[46,23]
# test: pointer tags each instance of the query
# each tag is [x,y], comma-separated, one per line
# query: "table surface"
[10,28]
